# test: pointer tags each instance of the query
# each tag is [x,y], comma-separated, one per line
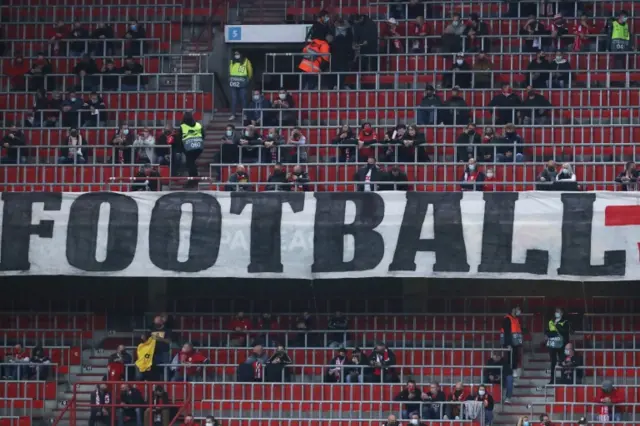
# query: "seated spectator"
[55,35]
[536,109]
[85,70]
[271,143]
[132,80]
[487,150]
[144,150]
[229,149]
[94,117]
[490,181]
[472,178]
[498,371]
[370,175]
[411,396]
[192,360]
[397,180]
[133,402]
[582,31]
[455,109]
[346,138]
[257,359]
[505,105]
[78,36]
[523,421]
[211,421]
[611,400]
[102,34]
[52,108]
[71,107]
[100,401]
[336,372]
[468,144]
[482,72]
[487,402]
[123,143]
[240,324]
[360,369]
[570,367]
[40,371]
[474,31]
[258,111]
[394,36]
[433,410]
[18,359]
[147,179]
[238,181]
[561,72]
[16,71]
[539,71]
[412,147]
[566,174]
[428,109]
[549,173]
[455,411]
[339,323]
[545,420]
[38,75]
[75,148]
[11,144]
[298,179]
[419,30]
[512,146]
[391,142]
[110,76]
[135,46]
[159,413]
[304,324]
[278,179]
[297,141]
[459,74]
[382,360]
[117,364]
[250,144]
[533,32]
[628,177]
[452,38]
[559,31]
[285,116]
[169,148]
[414,419]
[266,323]
[391,421]
[276,369]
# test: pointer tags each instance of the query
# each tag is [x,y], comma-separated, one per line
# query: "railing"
[36,390]
[15,408]
[627,412]
[596,340]
[42,336]
[20,371]
[620,375]
[96,47]
[37,12]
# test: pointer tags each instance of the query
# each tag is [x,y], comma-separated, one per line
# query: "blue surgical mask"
[134,27]
[472,167]
[72,99]
[525,423]
[558,314]
[256,98]
[229,133]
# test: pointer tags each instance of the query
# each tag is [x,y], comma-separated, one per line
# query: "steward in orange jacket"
[317,59]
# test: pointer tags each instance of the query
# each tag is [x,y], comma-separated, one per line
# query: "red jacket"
[115,371]
[615,395]
[241,325]
[193,357]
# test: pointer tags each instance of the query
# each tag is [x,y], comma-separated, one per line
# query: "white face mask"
[558,314]
[459,61]
[481,392]
[247,133]
[567,352]
[518,312]
[256,98]
[559,58]
[624,19]
[472,167]
[282,96]
[125,131]
[415,421]
[72,99]
[209,423]
[489,174]
[237,57]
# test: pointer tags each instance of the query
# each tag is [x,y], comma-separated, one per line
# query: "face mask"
[271,135]
[525,423]
[624,19]
[371,166]
[229,132]
[133,27]
[481,392]
[507,92]
[247,133]
[237,57]
[459,61]
[567,352]
[94,100]
[256,98]
[72,99]
[489,174]
[518,312]
[125,131]
[325,19]
[559,58]
[282,96]
[471,132]
[558,315]
[415,421]
[472,167]
[456,23]
[459,391]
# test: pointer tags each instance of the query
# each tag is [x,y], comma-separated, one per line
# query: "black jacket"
[132,397]
[99,397]
[124,357]
[79,34]
[505,115]
[301,182]
[467,146]
[278,182]
[539,73]
[132,78]
[511,143]
[141,177]
[14,142]
[377,176]
[472,186]
[175,145]
[460,114]
[412,404]
[111,79]
[561,71]
[89,67]
[397,182]
[632,180]
[349,139]
[571,367]
[537,106]
[460,75]
[493,369]
[283,357]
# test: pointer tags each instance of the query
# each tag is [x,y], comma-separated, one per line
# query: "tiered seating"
[64,356]
[581,399]
[37,390]
[60,321]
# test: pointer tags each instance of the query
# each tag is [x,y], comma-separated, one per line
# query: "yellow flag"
[145,355]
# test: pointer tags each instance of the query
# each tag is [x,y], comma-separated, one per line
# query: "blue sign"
[234,33]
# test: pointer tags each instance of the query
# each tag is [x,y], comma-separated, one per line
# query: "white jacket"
[145,147]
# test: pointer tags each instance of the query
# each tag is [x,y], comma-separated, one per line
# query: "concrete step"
[89,377]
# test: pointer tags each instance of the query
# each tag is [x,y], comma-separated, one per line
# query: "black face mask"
[510,133]
[552,169]
[471,132]
[370,166]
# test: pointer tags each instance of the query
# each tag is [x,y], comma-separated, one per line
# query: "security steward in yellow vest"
[620,34]
[192,137]
[240,74]
[557,335]
[511,336]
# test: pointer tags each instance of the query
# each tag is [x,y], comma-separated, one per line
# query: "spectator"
[298,179]
[414,419]
[367,137]
[297,141]
[412,147]
[559,31]
[240,75]
[38,74]
[85,70]
[539,71]
[468,144]
[135,46]
[545,420]
[472,178]
[512,337]
[123,141]
[435,398]
[12,143]
[188,421]
[316,59]
[536,109]
[557,336]
[370,176]
[169,149]
[452,37]
[620,40]
[249,143]
[611,399]
[257,359]
[74,149]
[419,30]
[336,372]
[482,72]
[582,421]
[144,147]
[100,401]
[147,179]
[361,362]
[71,110]
[211,421]
[582,32]
[455,110]
[561,72]
[133,402]
[571,367]
[454,411]
[382,359]
[523,421]
[40,371]
[162,333]
[18,359]
[258,113]
[428,109]
[131,80]
[271,143]
[338,323]
[285,105]
[549,173]
[411,395]
[393,139]
[95,105]
[16,71]
[267,323]
[566,174]
[193,361]
[278,179]
[487,402]
[55,36]
[277,366]
[394,36]
[499,371]
[487,151]
[460,74]
[102,34]
[240,324]
[79,37]
[397,180]
[304,324]
[117,364]
[628,177]
[474,31]
[490,180]
[391,421]
[320,27]
[159,411]
[512,146]
[347,141]
[238,181]
[365,42]
[416,8]
[504,106]
[53,106]
[341,53]
[110,76]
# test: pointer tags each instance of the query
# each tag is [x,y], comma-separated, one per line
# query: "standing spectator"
[298,179]
[487,402]
[240,75]
[467,144]
[455,110]
[460,74]
[132,80]
[117,364]
[487,151]
[339,324]
[454,411]
[419,30]
[512,146]
[433,410]
[133,402]
[79,36]
[320,27]
[452,37]
[85,70]
[257,359]
[12,143]
[367,137]
[533,32]
[169,150]
[411,395]
[539,71]
[582,32]
[259,111]
[39,78]
[39,371]
[192,360]
[341,53]
[361,366]
[162,334]
[397,180]
[159,412]
[240,323]
[110,76]
[512,337]
[620,40]
[123,141]
[55,36]
[472,178]
[566,174]
[557,336]
[504,106]
[394,36]
[285,105]
[559,33]
[561,72]
[412,147]
[571,367]
[192,135]
[536,109]
[100,405]
[238,181]
[611,399]
[549,173]
[144,147]
[428,108]
[16,71]
[382,359]
[365,42]
[136,45]
[416,8]
[348,142]
[370,176]
[74,150]
[482,72]
[474,31]
[498,371]
[102,34]
[337,372]
[628,177]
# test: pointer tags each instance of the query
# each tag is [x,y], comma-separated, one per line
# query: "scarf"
[381,358]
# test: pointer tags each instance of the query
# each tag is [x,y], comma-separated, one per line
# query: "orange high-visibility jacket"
[318,53]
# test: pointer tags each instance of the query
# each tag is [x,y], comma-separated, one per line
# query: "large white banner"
[533,235]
